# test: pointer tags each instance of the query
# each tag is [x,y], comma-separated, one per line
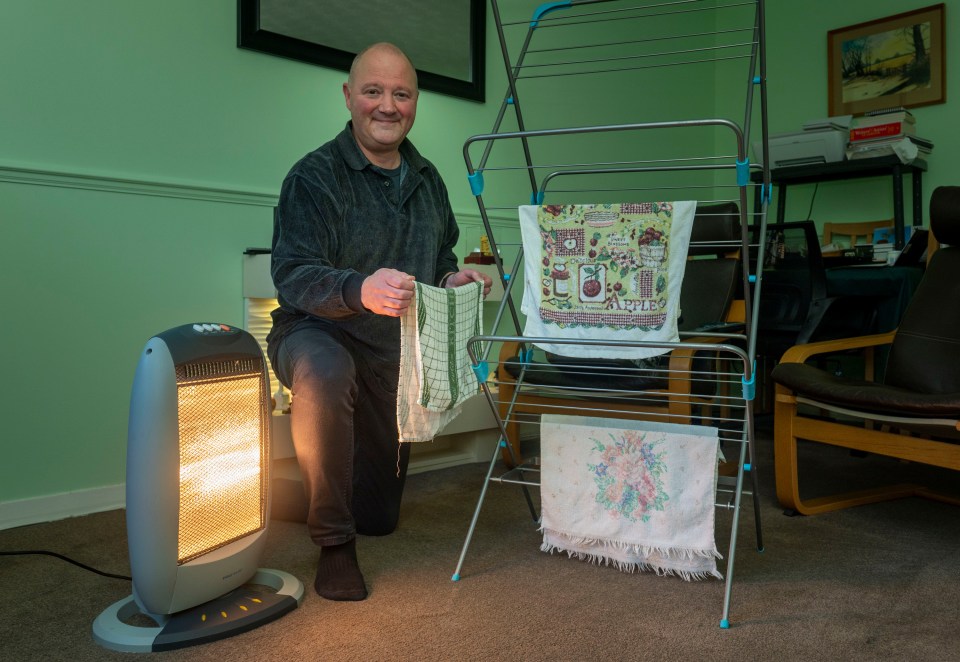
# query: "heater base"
[240,610]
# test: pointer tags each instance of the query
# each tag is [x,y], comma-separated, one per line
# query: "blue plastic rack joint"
[743,172]
[482,371]
[476,182]
[766,192]
[546,8]
[750,387]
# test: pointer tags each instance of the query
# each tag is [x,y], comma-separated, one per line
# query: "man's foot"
[338,573]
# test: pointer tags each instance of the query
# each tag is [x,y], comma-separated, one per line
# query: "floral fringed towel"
[634,494]
[435,372]
[605,271]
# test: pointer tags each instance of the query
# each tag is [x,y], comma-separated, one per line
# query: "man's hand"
[468,276]
[387,292]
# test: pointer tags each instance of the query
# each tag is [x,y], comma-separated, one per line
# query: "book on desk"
[874,126]
[885,133]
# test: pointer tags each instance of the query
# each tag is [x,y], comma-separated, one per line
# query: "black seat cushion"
[816,384]
[604,374]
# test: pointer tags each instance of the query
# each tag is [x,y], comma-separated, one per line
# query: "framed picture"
[444,40]
[894,61]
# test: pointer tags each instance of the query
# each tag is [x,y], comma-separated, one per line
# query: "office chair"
[795,305]
[793,292]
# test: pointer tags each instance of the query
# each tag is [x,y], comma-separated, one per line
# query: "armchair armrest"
[802,353]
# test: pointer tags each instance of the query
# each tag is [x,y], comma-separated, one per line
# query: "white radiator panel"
[257,320]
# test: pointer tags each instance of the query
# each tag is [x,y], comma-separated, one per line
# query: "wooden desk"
[884,166]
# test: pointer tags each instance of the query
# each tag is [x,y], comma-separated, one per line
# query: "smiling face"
[381,95]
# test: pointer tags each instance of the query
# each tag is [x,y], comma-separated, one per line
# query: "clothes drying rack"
[650,143]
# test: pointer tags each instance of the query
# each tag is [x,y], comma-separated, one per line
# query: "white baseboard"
[447,451]
[54,507]
[468,438]
[452,450]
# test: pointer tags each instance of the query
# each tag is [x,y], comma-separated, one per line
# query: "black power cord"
[813,197]
[27,552]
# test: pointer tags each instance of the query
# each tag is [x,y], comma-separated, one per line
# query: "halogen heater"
[198,454]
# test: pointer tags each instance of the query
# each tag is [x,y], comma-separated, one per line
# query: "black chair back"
[925,355]
[711,277]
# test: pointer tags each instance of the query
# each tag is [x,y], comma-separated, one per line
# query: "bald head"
[381,95]
[379,48]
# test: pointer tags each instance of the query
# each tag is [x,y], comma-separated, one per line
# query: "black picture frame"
[251,36]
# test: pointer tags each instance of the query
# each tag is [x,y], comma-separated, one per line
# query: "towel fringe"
[634,566]
[629,548]
[601,545]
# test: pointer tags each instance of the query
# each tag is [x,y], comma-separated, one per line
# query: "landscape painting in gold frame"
[888,62]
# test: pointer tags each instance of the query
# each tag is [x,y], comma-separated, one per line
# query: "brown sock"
[338,573]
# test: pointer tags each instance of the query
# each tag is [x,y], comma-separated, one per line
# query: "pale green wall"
[140,152]
[160,90]
[154,99]
[797,65]
[93,275]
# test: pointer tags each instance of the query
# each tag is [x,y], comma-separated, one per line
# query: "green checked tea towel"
[435,371]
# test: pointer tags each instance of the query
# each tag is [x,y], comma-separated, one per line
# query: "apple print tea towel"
[605,272]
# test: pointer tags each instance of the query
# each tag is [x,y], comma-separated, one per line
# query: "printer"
[820,141]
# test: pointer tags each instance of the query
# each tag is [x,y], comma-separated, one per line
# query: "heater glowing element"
[222,497]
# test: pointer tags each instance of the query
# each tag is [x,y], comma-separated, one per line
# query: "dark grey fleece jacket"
[338,220]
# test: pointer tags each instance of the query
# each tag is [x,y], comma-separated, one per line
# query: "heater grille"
[226,368]
[223,453]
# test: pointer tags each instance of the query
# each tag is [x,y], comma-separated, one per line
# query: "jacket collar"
[356,159]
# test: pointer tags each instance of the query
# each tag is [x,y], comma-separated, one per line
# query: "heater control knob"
[212,328]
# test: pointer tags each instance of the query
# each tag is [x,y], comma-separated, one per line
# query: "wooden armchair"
[912,413]
[670,388]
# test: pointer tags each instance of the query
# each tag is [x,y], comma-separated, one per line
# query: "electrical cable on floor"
[64,558]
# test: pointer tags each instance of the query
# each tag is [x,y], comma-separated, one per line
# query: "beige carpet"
[878,582]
